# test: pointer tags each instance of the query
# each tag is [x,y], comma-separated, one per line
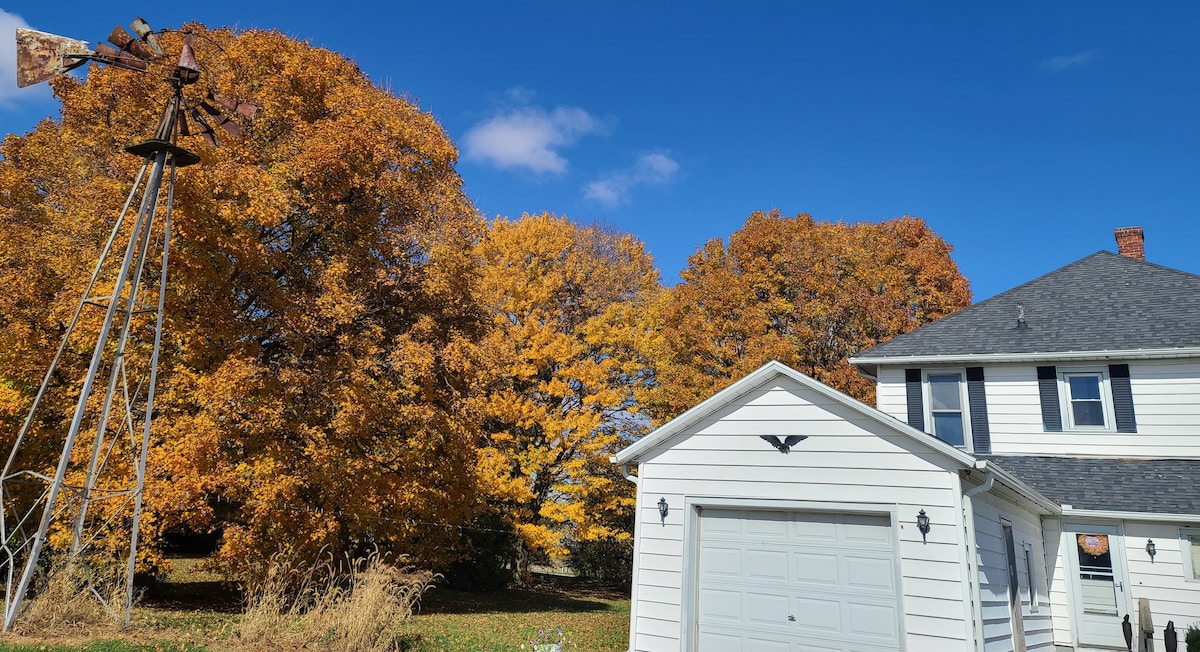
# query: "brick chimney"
[1131,242]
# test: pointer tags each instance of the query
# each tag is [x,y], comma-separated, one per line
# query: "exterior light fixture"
[923,524]
[663,508]
[1151,549]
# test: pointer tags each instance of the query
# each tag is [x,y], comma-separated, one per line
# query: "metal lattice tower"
[97,487]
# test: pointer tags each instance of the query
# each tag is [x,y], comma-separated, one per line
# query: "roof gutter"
[1036,356]
[1071,512]
[1026,492]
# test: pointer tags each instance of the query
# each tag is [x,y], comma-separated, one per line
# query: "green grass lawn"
[193,612]
[591,620]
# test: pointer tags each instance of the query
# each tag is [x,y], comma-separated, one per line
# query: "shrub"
[1192,638]
[605,560]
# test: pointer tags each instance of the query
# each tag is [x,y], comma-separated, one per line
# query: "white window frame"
[1106,402]
[1031,576]
[927,391]
[1185,547]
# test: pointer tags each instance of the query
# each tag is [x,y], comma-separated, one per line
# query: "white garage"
[792,581]
[780,515]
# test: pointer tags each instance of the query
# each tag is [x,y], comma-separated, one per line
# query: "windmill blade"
[114,57]
[181,120]
[142,29]
[206,131]
[223,122]
[122,39]
[243,109]
[41,56]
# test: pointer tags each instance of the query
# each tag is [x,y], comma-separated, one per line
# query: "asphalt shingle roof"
[1153,486]
[1104,302]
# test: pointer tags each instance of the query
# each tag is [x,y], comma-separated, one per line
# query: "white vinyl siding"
[992,562]
[1166,400]
[1162,581]
[848,458]
[1057,579]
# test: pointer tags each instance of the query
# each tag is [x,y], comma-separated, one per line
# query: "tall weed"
[356,605]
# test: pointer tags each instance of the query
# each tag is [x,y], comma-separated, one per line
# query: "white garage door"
[785,581]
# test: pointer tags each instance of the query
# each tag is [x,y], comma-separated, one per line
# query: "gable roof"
[1102,303]
[1149,486]
[661,436]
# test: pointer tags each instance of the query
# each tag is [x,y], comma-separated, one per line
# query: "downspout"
[624,470]
[972,568]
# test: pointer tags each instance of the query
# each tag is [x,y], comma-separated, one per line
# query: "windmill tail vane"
[97,494]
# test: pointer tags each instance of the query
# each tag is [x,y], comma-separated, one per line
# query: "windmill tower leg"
[121,304]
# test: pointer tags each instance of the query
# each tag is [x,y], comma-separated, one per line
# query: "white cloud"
[528,137]
[615,188]
[1066,62]
[9,93]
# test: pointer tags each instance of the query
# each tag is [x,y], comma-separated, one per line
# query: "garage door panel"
[721,604]
[816,615]
[715,642]
[813,527]
[807,581]
[872,621]
[769,566]
[869,529]
[870,574]
[815,569]
[718,562]
[763,645]
[773,525]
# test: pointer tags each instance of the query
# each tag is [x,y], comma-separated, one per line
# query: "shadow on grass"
[221,597]
[548,593]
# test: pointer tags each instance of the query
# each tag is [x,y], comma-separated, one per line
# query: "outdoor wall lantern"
[663,508]
[1151,549]
[923,524]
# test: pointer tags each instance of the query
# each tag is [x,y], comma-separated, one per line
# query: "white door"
[1100,583]
[787,581]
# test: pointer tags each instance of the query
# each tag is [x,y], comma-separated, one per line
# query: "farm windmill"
[90,491]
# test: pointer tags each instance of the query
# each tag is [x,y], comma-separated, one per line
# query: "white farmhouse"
[1029,481]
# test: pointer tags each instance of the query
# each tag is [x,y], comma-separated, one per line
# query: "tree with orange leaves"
[319,309]
[558,392]
[807,293]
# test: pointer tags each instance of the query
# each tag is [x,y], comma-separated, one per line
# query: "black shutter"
[1048,392]
[912,389]
[981,436]
[1122,397]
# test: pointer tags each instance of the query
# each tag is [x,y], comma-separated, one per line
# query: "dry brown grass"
[357,605]
[71,601]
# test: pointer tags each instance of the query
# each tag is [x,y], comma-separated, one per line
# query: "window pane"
[944,392]
[1084,387]
[948,427]
[1194,544]
[1088,413]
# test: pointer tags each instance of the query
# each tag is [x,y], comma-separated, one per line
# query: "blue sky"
[1023,133]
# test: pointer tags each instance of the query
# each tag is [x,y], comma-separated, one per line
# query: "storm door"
[1100,583]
